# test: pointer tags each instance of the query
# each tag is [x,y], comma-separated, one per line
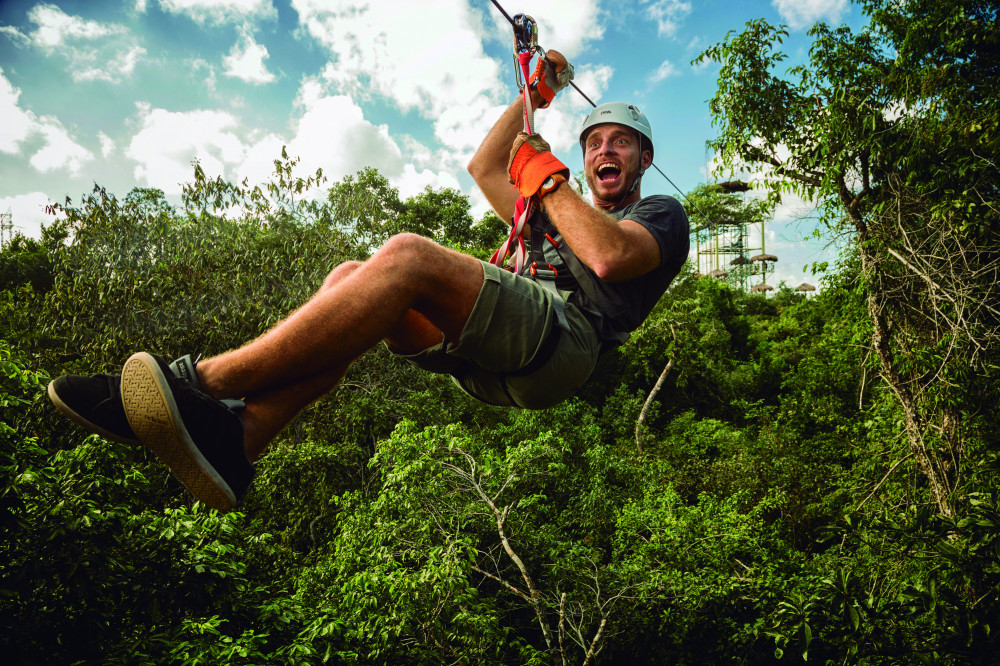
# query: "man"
[504,338]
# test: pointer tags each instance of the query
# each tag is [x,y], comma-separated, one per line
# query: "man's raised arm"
[488,166]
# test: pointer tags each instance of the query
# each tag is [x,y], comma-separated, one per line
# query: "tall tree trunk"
[931,464]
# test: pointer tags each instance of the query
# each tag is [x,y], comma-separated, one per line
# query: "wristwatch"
[550,184]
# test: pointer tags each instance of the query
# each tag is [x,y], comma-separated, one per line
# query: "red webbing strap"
[525,60]
[514,245]
[524,208]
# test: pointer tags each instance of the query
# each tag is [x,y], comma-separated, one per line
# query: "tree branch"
[652,395]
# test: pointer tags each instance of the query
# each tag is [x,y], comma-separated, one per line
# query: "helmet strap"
[635,184]
[638,178]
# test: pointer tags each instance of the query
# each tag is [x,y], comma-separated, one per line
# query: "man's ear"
[647,159]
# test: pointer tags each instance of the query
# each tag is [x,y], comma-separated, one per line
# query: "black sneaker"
[198,437]
[94,402]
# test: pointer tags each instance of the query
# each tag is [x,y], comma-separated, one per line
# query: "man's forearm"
[488,166]
[613,250]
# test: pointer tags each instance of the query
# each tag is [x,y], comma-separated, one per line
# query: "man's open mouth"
[608,173]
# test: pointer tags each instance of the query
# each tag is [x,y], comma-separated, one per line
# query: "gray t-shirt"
[620,307]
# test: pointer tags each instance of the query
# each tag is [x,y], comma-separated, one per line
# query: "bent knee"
[407,250]
[407,242]
[340,272]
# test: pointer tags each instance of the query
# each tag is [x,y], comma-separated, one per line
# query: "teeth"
[606,167]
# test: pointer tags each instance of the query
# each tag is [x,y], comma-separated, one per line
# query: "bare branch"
[652,395]
[592,652]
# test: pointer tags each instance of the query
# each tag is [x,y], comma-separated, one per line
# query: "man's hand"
[552,74]
[532,168]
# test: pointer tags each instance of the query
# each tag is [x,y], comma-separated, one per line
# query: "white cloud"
[331,134]
[121,65]
[439,70]
[565,25]
[15,35]
[17,123]
[668,14]
[665,70]
[478,205]
[561,128]
[560,124]
[92,50]
[377,49]
[169,142]
[413,181]
[246,61]
[258,161]
[55,27]
[60,150]
[221,11]
[594,80]
[28,212]
[792,208]
[107,144]
[801,14]
[461,128]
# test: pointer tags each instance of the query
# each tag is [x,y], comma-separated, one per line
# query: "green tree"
[27,274]
[443,216]
[890,129]
[366,207]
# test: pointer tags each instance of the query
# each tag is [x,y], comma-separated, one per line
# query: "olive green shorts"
[510,322]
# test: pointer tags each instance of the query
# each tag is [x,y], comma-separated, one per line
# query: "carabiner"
[525,44]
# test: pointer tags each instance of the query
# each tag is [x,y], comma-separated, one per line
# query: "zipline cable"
[514,25]
[584,95]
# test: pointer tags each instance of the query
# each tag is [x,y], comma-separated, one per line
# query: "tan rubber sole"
[154,417]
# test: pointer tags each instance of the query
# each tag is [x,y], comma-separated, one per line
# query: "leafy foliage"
[777,511]
[890,128]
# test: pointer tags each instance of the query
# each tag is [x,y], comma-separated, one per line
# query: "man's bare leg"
[412,292]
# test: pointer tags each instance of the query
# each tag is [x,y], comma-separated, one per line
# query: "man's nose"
[606,148]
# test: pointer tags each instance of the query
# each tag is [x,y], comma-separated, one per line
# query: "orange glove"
[532,168]
[552,74]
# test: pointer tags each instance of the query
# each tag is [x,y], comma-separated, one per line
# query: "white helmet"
[618,113]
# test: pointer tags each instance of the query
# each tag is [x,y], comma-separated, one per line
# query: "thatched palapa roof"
[764,257]
[762,288]
[731,186]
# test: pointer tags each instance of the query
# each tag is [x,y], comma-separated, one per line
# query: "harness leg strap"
[558,304]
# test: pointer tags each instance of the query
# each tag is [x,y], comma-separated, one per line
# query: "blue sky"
[129,93]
